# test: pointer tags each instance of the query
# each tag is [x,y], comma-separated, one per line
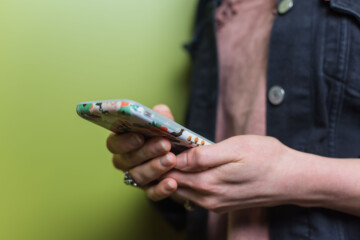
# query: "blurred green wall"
[56,176]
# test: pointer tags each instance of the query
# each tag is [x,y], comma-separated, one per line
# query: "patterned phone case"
[122,116]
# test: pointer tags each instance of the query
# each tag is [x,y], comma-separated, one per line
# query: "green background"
[56,176]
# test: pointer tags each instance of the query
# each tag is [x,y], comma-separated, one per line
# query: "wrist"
[306,181]
[317,181]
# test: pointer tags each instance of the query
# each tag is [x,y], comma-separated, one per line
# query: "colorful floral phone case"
[123,116]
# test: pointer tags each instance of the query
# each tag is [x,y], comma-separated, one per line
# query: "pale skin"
[238,173]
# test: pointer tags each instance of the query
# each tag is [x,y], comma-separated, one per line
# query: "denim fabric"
[315,56]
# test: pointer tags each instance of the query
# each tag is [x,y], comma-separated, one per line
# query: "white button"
[276,95]
[285,6]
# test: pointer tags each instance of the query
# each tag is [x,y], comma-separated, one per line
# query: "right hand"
[146,160]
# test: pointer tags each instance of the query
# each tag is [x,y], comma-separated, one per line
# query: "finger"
[153,169]
[162,190]
[205,157]
[195,181]
[163,110]
[201,182]
[153,148]
[124,143]
[200,199]
[119,162]
[189,194]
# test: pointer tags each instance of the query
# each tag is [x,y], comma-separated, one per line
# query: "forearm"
[326,182]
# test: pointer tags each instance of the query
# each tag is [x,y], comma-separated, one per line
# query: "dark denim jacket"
[315,57]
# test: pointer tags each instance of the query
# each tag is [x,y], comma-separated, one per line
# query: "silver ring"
[189,206]
[128,180]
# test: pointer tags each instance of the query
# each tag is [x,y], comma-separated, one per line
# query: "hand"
[146,160]
[240,172]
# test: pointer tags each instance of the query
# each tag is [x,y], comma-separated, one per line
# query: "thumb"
[199,159]
[205,157]
[163,110]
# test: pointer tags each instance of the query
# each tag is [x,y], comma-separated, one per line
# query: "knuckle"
[143,153]
[206,185]
[150,150]
[203,186]
[137,177]
[156,166]
[272,139]
[109,144]
[136,158]
[210,204]
[157,146]
[275,143]
[119,162]
[133,158]
[197,158]
[115,162]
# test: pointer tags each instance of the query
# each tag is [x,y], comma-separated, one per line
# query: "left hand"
[146,159]
[240,172]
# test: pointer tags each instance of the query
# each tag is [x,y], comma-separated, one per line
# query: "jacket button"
[276,95]
[285,6]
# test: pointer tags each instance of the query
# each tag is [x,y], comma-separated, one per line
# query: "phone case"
[123,116]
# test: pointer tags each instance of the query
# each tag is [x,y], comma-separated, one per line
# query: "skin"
[146,161]
[238,173]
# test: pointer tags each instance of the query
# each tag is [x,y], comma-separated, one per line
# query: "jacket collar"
[351,7]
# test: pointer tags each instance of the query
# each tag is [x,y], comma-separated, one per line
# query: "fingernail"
[161,147]
[170,185]
[166,160]
[181,161]
[135,140]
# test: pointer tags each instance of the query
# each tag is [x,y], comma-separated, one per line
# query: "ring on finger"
[128,180]
[189,206]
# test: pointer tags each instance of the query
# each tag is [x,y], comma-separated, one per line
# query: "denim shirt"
[314,55]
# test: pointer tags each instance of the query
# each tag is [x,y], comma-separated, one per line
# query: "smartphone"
[124,116]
